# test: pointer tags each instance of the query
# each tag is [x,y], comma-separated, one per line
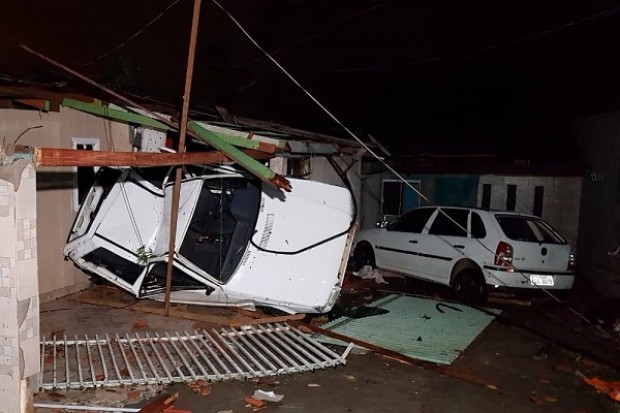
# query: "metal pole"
[176,193]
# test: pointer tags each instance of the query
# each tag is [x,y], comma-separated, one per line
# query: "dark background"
[421,76]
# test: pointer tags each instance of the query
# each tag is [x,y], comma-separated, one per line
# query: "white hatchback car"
[238,243]
[499,249]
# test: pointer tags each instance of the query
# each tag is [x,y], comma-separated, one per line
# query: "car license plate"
[542,280]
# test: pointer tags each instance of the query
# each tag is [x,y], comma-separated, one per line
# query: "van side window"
[412,221]
[442,225]
[477,227]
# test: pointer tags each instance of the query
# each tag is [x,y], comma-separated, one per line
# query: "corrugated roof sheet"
[420,328]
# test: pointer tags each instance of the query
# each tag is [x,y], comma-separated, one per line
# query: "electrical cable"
[381,160]
[143,28]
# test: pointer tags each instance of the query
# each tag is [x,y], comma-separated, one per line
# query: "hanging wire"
[136,34]
[384,163]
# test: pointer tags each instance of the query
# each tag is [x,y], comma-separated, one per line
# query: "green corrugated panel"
[416,327]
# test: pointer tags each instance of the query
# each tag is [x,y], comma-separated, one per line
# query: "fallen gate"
[154,358]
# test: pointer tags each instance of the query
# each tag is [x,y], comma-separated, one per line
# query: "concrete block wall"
[19,293]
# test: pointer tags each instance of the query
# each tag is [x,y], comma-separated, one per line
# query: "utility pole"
[176,192]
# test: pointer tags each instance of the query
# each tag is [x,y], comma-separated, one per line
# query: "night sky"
[425,76]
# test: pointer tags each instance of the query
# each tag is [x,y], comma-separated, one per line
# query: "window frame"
[446,209]
[416,183]
[75,142]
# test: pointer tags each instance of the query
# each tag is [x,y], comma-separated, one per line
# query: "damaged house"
[230,222]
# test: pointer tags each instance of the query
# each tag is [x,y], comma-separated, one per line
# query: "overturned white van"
[239,242]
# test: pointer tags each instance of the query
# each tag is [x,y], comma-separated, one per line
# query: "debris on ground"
[255,403]
[160,404]
[542,398]
[610,388]
[368,272]
[266,381]
[140,325]
[268,396]
[110,397]
[200,387]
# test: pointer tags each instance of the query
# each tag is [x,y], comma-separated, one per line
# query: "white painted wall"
[562,197]
[55,185]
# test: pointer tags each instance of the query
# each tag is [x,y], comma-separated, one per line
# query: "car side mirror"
[382,224]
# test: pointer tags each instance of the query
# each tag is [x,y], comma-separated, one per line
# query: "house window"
[299,167]
[84,175]
[511,198]
[486,196]
[539,195]
[397,197]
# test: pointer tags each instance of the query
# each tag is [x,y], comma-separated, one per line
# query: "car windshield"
[528,229]
[221,226]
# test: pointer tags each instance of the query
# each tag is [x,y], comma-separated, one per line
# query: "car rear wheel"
[470,287]
[362,255]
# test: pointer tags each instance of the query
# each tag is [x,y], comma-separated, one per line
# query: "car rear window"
[528,229]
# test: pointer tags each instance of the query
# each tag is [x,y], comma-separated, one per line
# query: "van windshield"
[528,229]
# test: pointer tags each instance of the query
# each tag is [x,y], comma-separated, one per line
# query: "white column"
[19,294]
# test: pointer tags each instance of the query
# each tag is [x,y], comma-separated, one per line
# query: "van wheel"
[470,287]
[362,255]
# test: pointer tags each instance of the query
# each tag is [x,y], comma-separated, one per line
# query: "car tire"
[470,287]
[362,255]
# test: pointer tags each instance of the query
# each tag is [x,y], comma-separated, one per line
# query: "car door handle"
[413,241]
[459,246]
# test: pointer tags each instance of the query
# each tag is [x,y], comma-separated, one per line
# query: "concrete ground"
[523,372]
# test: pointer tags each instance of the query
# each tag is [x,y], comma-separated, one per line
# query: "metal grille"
[154,358]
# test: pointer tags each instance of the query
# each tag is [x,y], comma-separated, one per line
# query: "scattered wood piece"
[255,403]
[206,391]
[266,381]
[196,313]
[172,409]
[159,404]
[542,398]
[58,333]
[140,325]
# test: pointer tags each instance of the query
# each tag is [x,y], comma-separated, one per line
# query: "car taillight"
[571,262]
[503,254]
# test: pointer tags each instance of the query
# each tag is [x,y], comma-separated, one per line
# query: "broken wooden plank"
[256,168]
[39,104]
[75,157]
[149,122]
[153,307]
[159,404]
[232,152]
